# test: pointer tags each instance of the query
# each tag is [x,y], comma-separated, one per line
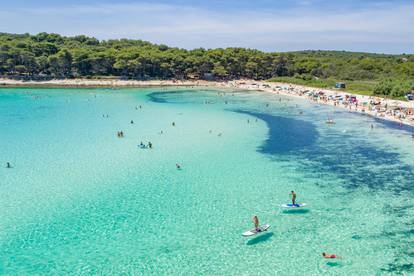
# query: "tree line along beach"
[376,84]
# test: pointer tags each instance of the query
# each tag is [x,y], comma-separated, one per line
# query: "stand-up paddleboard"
[293,206]
[253,232]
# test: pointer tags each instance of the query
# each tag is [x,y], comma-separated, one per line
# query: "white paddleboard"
[291,206]
[253,232]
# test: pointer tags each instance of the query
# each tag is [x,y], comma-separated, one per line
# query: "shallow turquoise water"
[79,200]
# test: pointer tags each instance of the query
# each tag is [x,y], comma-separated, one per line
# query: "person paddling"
[256,223]
[293,194]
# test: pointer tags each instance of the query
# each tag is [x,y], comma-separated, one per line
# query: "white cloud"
[184,26]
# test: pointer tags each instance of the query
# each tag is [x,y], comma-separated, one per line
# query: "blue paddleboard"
[293,206]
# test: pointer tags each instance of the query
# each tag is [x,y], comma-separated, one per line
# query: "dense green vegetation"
[52,55]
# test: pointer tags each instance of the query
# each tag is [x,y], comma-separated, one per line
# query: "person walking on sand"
[293,194]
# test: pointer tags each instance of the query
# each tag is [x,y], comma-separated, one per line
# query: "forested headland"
[51,55]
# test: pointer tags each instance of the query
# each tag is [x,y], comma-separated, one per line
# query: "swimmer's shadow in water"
[261,238]
[333,264]
[296,211]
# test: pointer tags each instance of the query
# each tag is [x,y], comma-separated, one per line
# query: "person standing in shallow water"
[293,194]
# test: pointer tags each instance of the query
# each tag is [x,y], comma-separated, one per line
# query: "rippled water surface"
[80,200]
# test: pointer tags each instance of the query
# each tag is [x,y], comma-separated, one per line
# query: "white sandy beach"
[398,111]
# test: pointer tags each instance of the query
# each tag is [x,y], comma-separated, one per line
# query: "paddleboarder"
[256,223]
[293,194]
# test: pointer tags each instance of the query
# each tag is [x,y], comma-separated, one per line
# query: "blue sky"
[369,26]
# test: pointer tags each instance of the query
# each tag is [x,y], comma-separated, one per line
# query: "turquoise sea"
[79,200]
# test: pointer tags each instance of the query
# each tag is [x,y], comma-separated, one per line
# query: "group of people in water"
[293,195]
[143,146]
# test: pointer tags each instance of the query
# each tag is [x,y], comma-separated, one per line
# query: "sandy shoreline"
[95,83]
[392,110]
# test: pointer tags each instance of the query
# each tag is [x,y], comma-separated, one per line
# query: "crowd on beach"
[398,111]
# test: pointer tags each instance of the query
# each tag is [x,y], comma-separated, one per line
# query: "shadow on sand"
[261,238]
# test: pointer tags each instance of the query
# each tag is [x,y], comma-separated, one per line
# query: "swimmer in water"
[256,223]
[132,122]
[150,145]
[178,166]
[173,124]
[330,256]
[8,165]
